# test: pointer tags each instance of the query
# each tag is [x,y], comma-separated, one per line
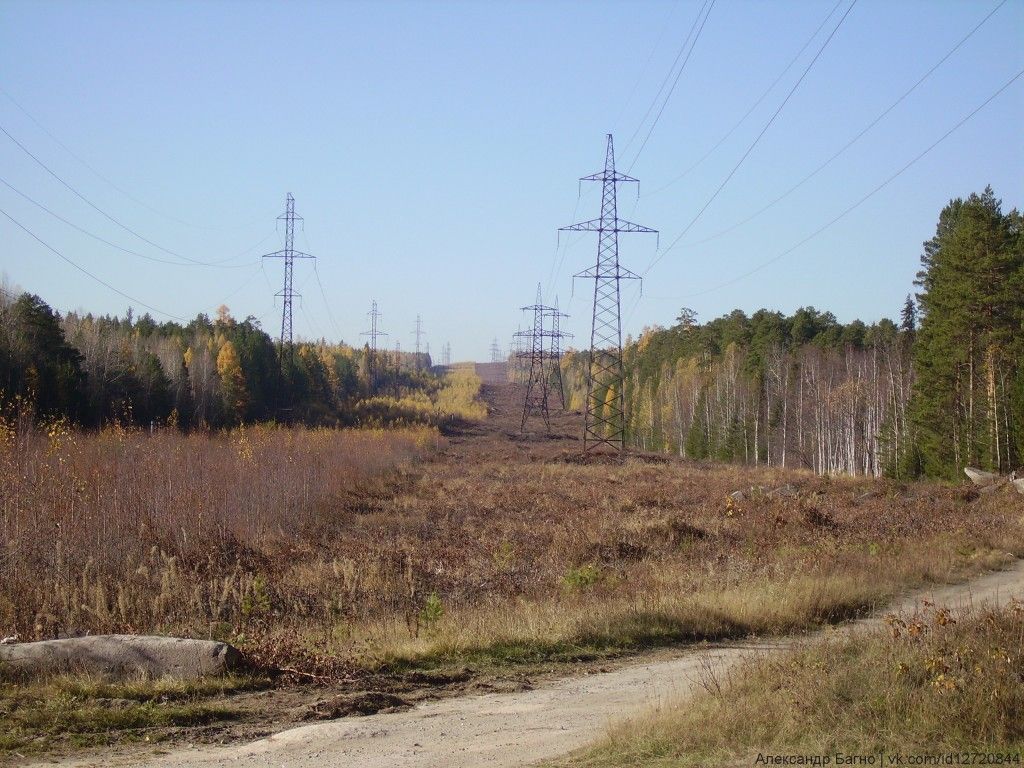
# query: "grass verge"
[926,685]
[660,607]
[83,711]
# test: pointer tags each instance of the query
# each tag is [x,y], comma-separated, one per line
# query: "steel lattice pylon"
[289,254]
[375,332]
[537,384]
[554,353]
[605,419]
[543,369]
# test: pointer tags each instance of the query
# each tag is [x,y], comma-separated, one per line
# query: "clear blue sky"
[433,149]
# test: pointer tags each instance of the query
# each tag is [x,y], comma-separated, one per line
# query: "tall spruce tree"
[967,348]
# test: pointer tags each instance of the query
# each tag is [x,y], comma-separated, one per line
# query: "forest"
[941,389]
[208,374]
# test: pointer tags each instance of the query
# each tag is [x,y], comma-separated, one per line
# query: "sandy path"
[515,729]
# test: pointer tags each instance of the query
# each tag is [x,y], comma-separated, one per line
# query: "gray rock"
[786,490]
[980,477]
[1019,485]
[737,496]
[120,657]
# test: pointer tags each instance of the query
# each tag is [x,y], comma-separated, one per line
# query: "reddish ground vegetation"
[352,547]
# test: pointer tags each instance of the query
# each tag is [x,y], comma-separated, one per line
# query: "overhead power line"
[675,81]
[856,138]
[647,63]
[753,106]
[327,303]
[866,197]
[86,272]
[753,144]
[121,247]
[96,208]
[106,179]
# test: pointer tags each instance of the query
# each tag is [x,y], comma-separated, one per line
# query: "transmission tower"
[518,347]
[536,401]
[289,254]
[495,351]
[418,332]
[555,351]
[522,343]
[605,419]
[375,332]
[446,354]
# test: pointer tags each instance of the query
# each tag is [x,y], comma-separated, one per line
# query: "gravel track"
[515,729]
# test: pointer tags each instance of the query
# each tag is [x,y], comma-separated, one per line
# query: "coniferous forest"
[939,389]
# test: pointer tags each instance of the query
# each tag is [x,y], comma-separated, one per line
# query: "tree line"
[206,374]
[941,389]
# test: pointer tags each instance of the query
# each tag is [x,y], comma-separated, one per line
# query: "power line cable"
[856,138]
[86,272]
[95,207]
[99,175]
[121,247]
[675,82]
[753,144]
[327,304]
[664,82]
[753,107]
[643,70]
[323,293]
[237,290]
[864,199]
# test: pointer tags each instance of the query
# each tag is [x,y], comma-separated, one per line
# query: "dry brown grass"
[124,531]
[335,550]
[930,684]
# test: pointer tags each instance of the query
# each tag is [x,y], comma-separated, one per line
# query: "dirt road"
[516,729]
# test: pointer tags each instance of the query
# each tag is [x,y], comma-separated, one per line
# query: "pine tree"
[964,355]
[908,315]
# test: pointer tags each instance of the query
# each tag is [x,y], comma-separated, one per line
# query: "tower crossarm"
[289,254]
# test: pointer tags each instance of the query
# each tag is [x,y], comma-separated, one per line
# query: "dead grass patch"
[927,684]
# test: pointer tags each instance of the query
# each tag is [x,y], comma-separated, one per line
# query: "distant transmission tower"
[536,401]
[289,254]
[519,345]
[375,332]
[555,351]
[495,351]
[446,354]
[418,332]
[605,419]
